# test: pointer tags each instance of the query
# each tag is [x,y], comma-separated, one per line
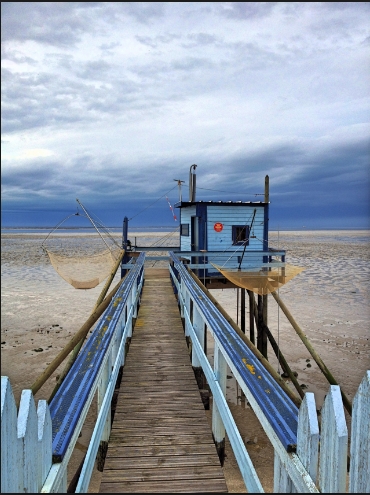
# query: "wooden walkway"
[161,440]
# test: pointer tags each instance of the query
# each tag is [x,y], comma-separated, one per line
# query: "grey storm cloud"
[26,21]
[119,99]
[67,21]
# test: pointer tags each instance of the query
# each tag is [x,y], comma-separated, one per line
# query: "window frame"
[236,230]
[184,230]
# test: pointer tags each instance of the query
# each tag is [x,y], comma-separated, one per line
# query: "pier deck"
[161,440]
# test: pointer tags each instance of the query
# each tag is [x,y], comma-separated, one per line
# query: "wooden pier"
[161,440]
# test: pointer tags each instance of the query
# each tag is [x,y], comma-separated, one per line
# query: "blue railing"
[274,409]
[96,367]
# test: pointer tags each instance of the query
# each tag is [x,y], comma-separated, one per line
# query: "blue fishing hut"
[229,234]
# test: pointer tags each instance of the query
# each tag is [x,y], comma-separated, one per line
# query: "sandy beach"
[40,313]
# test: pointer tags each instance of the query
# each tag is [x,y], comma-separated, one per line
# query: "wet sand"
[329,300]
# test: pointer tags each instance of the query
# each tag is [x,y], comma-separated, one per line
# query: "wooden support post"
[264,309]
[261,334]
[311,350]
[81,334]
[237,305]
[283,362]
[251,316]
[242,310]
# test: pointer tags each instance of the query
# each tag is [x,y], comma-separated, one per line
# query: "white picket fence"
[26,444]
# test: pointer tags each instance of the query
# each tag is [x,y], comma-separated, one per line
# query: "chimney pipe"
[192,183]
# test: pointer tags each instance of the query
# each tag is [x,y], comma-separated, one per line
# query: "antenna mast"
[179,184]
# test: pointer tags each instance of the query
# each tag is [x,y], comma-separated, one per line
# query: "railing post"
[102,388]
[123,321]
[181,297]
[186,297]
[199,328]
[129,320]
[133,298]
[200,331]
[218,428]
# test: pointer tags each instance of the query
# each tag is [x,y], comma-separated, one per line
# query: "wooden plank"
[169,439]
[158,462]
[157,430]
[164,474]
[161,440]
[162,450]
[169,486]
[138,407]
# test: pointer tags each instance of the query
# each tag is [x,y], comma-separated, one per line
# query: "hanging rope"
[245,243]
[156,201]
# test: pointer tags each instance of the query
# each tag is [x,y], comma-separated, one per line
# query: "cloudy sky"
[110,102]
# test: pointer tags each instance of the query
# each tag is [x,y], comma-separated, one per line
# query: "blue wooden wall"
[228,215]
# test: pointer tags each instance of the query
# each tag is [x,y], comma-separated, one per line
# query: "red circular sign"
[218,226]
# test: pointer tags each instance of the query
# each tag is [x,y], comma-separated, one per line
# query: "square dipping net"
[262,281]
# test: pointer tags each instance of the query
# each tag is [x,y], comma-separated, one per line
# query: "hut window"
[240,234]
[184,229]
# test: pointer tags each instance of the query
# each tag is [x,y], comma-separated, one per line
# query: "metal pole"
[124,245]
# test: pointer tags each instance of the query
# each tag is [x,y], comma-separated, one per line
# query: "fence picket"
[334,443]
[45,440]
[28,433]
[282,481]
[308,435]
[11,470]
[307,446]
[359,476]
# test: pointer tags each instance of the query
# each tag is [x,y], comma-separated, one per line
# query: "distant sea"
[84,230]
[340,236]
